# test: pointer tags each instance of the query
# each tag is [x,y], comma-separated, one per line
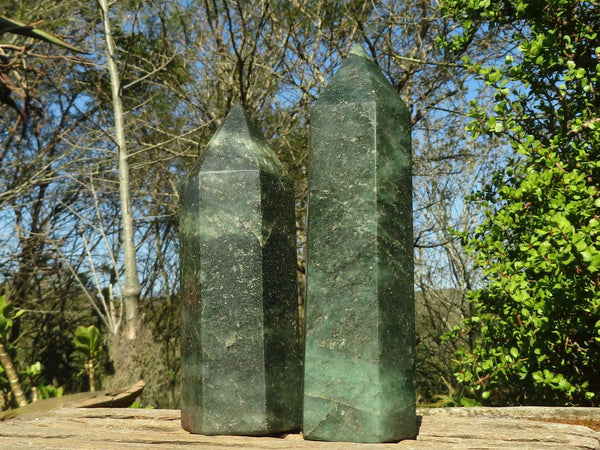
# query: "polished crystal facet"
[240,350]
[359,355]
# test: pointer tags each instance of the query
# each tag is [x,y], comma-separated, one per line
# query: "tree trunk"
[131,286]
[11,374]
[89,369]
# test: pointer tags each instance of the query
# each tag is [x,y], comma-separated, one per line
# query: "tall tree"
[537,309]
[131,286]
[33,158]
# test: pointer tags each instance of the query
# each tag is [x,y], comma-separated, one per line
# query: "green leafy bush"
[537,313]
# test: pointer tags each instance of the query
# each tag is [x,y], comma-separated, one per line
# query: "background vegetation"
[93,146]
[538,247]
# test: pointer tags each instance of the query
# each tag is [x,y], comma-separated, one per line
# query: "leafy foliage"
[20,28]
[87,340]
[7,315]
[537,313]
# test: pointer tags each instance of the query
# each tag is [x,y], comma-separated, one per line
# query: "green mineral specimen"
[359,355]
[240,350]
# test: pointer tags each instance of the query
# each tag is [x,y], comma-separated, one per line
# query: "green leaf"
[7,316]
[87,340]
[20,28]
[467,402]
[594,265]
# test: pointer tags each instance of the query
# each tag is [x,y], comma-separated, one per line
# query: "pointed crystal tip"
[237,109]
[359,51]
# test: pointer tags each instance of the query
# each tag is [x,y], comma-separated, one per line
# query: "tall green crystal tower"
[240,350]
[359,354]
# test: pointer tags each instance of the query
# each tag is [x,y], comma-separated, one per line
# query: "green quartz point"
[240,350]
[359,350]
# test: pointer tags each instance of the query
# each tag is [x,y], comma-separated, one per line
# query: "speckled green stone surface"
[240,351]
[359,356]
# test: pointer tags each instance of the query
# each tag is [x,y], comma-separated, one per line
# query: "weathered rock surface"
[118,398]
[444,428]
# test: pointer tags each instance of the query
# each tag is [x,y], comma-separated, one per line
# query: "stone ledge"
[515,412]
[442,428]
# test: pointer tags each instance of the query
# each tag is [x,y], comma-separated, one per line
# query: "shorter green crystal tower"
[240,349]
[359,356]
